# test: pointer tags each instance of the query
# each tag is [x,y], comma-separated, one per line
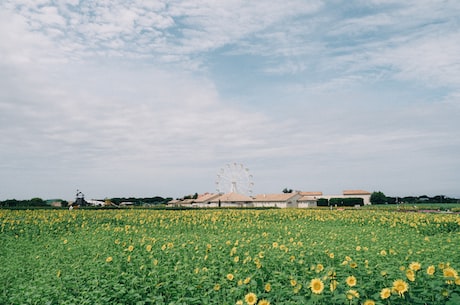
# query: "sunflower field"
[288,256]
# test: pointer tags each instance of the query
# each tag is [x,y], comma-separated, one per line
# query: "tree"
[37,202]
[378,198]
[287,191]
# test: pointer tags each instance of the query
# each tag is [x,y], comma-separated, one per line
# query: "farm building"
[284,200]
[233,200]
[365,195]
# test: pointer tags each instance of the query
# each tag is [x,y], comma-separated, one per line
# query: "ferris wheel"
[234,178]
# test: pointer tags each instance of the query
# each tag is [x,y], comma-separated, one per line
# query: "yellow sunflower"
[263,302]
[352,294]
[109,259]
[316,286]
[400,287]
[250,298]
[410,274]
[449,272]
[430,270]
[268,287]
[230,277]
[415,266]
[319,267]
[333,285]
[369,302]
[351,281]
[385,293]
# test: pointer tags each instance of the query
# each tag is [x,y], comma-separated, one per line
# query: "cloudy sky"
[144,98]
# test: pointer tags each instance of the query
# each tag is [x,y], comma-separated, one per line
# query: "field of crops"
[228,257]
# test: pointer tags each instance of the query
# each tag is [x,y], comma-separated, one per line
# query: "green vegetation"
[277,256]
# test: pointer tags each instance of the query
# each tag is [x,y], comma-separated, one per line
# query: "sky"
[132,98]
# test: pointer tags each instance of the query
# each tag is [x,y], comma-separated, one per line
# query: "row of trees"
[141,201]
[38,202]
[380,198]
[34,202]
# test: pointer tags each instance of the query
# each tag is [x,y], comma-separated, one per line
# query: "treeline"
[340,202]
[34,202]
[422,199]
[380,198]
[140,201]
[38,202]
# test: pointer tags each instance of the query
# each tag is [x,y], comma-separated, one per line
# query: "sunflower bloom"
[400,287]
[319,267]
[410,274]
[415,266]
[369,302]
[316,286]
[268,287]
[430,270]
[230,277]
[109,259]
[385,293]
[263,302]
[333,285]
[351,281]
[352,294]
[250,298]
[449,272]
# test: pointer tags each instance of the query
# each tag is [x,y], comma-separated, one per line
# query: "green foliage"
[34,202]
[140,201]
[147,256]
[346,202]
[378,198]
[322,202]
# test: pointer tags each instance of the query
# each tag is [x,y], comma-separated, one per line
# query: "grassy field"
[229,257]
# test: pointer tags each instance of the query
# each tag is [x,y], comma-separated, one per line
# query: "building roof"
[311,193]
[206,197]
[356,192]
[307,198]
[232,197]
[274,197]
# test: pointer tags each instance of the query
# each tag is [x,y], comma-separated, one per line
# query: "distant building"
[283,200]
[365,195]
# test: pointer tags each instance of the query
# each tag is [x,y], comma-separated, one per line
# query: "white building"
[284,200]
